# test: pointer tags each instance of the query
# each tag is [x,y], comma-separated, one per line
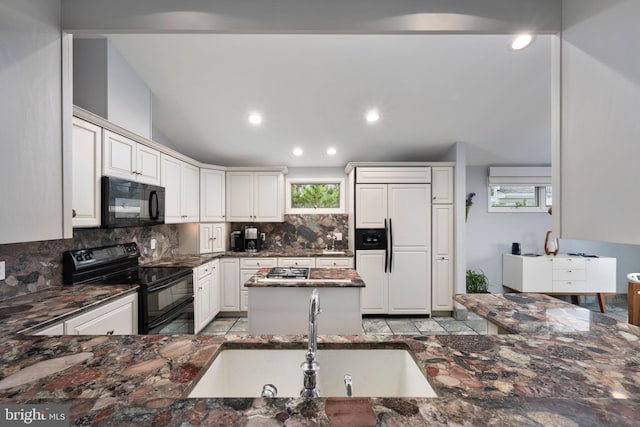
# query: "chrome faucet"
[310,366]
[348,384]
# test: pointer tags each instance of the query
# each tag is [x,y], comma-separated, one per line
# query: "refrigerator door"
[374,296]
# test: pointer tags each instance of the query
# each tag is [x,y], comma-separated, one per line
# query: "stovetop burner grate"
[288,273]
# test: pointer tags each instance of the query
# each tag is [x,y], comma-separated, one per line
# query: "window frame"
[541,195]
[342,199]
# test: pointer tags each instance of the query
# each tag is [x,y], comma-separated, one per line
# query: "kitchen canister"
[515,248]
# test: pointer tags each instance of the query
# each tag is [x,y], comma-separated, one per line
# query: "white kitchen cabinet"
[127,159]
[86,171]
[393,175]
[405,211]
[560,274]
[211,238]
[182,196]
[254,196]
[442,257]
[442,185]
[119,317]
[375,295]
[249,267]
[334,262]
[206,292]
[212,195]
[297,262]
[229,284]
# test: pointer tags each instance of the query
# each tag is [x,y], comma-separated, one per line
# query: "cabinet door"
[86,170]
[148,165]
[442,283]
[119,156]
[218,238]
[334,262]
[229,284]
[215,288]
[297,262]
[409,283]
[190,193]
[442,185]
[409,211]
[202,303]
[239,196]
[268,197]
[374,296]
[205,238]
[119,317]
[371,205]
[442,264]
[601,274]
[171,171]
[212,195]
[537,274]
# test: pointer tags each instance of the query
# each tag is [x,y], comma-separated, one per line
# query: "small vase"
[551,245]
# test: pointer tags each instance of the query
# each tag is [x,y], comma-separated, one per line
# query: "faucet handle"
[348,383]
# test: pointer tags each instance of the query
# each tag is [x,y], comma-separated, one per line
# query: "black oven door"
[166,300]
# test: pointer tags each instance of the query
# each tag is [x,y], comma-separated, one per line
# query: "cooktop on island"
[288,273]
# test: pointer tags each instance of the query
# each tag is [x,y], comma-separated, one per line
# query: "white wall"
[31,149]
[105,84]
[599,154]
[489,235]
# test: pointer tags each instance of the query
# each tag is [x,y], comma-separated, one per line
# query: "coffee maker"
[251,239]
[237,241]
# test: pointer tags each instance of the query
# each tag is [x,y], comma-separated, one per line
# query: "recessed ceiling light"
[372,116]
[521,41]
[255,118]
[297,151]
[331,151]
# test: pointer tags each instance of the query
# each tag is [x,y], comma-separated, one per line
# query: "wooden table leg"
[602,302]
[633,296]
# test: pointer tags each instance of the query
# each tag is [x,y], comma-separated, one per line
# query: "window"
[315,196]
[519,198]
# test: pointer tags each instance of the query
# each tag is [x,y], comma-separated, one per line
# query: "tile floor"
[393,325]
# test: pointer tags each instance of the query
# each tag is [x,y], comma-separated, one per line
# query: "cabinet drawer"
[297,262]
[570,286]
[342,262]
[568,263]
[257,262]
[204,270]
[119,317]
[573,274]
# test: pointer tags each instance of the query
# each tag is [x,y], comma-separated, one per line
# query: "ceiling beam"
[312,16]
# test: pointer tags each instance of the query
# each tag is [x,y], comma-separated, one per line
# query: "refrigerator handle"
[390,246]
[386,248]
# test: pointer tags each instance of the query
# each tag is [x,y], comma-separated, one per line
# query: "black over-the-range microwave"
[131,204]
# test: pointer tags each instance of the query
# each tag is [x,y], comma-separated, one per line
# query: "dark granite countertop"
[318,278]
[40,309]
[197,260]
[589,377]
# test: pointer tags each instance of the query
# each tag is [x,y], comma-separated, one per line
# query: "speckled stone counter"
[43,308]
[297,253]
[318,278]
[582,378]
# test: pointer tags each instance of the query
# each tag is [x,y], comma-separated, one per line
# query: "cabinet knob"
[73,213]
[110,332]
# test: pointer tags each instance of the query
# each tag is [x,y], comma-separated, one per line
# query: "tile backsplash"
[34,266]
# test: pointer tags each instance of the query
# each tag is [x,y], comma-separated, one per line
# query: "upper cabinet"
[255,196]
[86,169]
[182,196]
[127,159]
[212,195]
[442,185]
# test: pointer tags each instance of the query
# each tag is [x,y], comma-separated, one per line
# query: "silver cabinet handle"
[110,332]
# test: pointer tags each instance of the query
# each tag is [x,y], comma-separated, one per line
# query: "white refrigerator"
[398,275]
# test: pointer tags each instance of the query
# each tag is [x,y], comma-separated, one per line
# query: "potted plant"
[477,282]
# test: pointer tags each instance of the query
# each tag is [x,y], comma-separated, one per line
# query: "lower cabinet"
[207,293]
[559,274]
[250,266]
[118,317]
[229,284]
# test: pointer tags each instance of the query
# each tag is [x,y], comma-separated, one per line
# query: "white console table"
[560,275]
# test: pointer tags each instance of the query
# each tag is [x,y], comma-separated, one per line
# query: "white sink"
[328,252]
[375,373]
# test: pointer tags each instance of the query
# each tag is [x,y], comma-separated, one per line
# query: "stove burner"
[288,273]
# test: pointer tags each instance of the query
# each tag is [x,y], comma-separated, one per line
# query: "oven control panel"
[80,259]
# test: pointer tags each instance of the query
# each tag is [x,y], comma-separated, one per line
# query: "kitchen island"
[281,305]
